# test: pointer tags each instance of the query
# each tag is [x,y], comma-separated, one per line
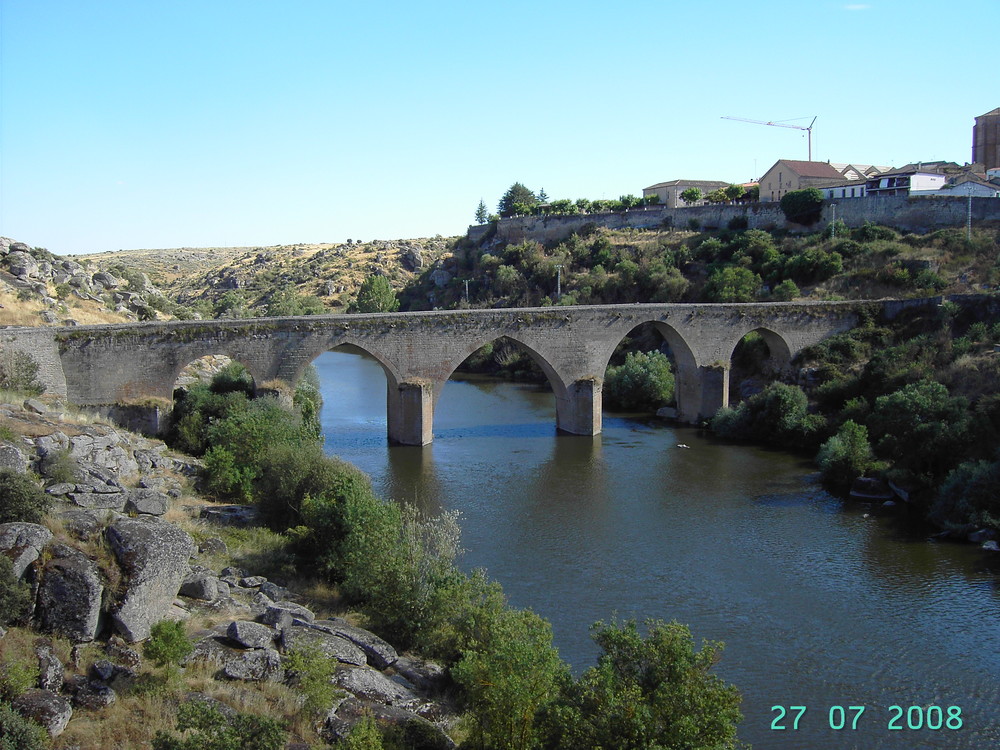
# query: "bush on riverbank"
[778,415]
[922,389]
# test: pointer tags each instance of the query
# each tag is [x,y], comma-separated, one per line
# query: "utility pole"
[781,124]
[558,281]
[968,213]
[466,289]
[833,224]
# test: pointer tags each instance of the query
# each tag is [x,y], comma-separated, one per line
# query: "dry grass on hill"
[18,312]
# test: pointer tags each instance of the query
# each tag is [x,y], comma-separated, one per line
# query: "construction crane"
[781,124]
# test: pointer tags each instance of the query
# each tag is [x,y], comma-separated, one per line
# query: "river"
[818,604]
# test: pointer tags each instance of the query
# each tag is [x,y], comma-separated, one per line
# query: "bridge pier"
[410,412]
[578,411]
[714,390]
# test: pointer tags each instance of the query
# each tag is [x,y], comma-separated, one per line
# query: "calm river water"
[818,606]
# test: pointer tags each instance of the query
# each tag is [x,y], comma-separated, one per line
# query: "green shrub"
[19,372]
[643,383]
[17,677]
[18,733]
[802,206]
[60,467]
[969,494]
[845,456]
[311,672]
[15,595]
[511,674]
[209,729]
[732,284]
[656,691]
[868,232]
[168,645]
[20,498]
[364,735]
[778,415]
[921,429]
[786,291]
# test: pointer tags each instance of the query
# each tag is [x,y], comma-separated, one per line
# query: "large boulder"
[201,585]
[23,543]
[70,595]
[258,665]
[381,655]
[147,501]
[21,264]
[237,664]
[46,708]
[304,638]
[12,458]
[416,730]
[109,451]
[369,684]
[154,556]
[248,634]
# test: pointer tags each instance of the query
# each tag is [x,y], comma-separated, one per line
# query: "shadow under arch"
[349,343]
[687,380]
[555,380]
[748,368]
[191,372]
[565,402]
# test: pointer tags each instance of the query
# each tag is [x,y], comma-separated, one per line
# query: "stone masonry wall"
[907,214]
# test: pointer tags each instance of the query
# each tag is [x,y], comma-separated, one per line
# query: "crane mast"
[808,129]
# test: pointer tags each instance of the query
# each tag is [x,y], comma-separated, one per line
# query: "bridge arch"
[780,351]
[687,380]
[556,381]
[207,370]
[309,352]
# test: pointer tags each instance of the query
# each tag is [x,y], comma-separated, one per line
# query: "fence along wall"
[908,214]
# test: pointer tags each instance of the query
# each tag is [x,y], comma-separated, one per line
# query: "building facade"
[986,140]
[670,192]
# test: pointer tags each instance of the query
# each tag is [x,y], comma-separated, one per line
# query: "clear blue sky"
[136,124]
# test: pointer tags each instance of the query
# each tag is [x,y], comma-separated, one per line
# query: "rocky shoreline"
[114,557]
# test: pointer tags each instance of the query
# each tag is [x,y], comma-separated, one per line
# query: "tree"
[691,195]
[717,196]
[542,196]
[517,196]
[732,284]
[845,456]
[481,213]
[374,296]
[508,677]
[656,691]
[644,382]
[802,206]
[733,192]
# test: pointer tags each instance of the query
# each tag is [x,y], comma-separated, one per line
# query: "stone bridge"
[100,366]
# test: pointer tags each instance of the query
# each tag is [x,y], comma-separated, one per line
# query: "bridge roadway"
[102,366]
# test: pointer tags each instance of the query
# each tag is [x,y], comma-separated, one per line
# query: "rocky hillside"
[127,543]
[40,288]
[261,277]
